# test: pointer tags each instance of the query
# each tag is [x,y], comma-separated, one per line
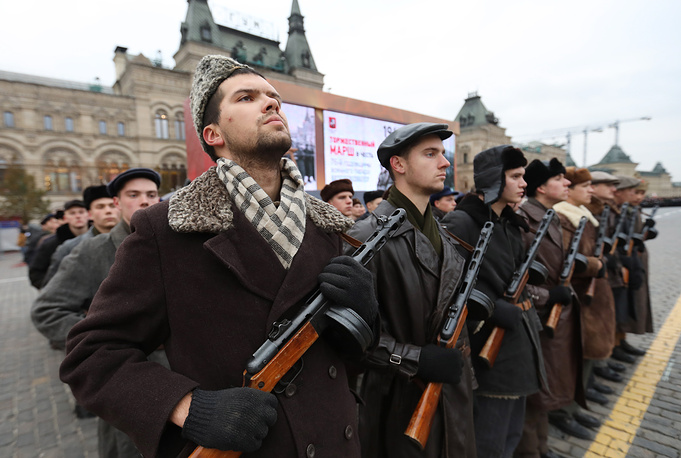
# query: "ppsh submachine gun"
[529,268]
[289,339]
[422,418]
[574,261]
[602,247]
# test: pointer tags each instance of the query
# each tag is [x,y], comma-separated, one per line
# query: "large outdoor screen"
[350,145]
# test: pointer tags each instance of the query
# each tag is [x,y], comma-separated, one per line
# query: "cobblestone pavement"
[642,419]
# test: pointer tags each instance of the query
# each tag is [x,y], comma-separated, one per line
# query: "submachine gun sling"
[289,339]
[422,418]
[490,350]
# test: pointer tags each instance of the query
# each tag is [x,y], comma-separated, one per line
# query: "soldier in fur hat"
[205,274]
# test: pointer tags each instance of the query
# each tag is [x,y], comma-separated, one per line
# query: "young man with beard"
[546,186]
[519,368]
[598,313]
[416,273]
[205,275]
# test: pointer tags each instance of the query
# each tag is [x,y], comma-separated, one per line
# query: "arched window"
[111,164]
[68,124]
[161,124]
[8,159]
[179,126]
[62,172]
[47,122]
[102,127]
[121,129]
[173,173]
[8,119]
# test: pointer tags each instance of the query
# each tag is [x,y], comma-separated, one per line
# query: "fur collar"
[481,213]
[205,206]
[574,213]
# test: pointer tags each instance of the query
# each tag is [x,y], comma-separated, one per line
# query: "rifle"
[629,242]
[490,350]
[618,235]
[422,418]
[290,339]
[647,229]
[601,247]
[566,276]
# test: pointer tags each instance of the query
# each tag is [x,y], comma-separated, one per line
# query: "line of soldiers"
[205,275]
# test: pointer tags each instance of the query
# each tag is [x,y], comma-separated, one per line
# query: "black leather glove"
[440,365]
[232,419]
[602,270]
[559,295]
[506,315]
[650,222]
[349,284]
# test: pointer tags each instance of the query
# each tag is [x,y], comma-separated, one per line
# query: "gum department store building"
[70,135]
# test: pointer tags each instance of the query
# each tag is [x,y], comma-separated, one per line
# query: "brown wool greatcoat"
[563,352]
[597,317]
[196,277]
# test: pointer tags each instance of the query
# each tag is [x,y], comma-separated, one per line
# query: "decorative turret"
[297,51]
[199,25]
[473,113]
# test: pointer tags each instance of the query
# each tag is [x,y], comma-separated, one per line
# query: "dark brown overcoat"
[415,289]
[196,277]
[563,352]
[598,315]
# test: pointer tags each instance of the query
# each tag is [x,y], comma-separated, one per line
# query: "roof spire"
[297,49]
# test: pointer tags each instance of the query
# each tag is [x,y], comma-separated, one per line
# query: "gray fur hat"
[210,73]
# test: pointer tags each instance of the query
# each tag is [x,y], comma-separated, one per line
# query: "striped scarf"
[282,226]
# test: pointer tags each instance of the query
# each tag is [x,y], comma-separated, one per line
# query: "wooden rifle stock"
[566,276]
[422,418]
[490,350]
[290,339]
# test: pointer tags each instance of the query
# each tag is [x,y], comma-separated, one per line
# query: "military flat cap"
[406,136]
[626,182]
[138,172]
[599,177]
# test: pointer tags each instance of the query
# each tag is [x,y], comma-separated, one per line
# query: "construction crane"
[568,132]
[616,125]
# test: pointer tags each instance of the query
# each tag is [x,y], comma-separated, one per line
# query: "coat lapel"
[248,256]
[317,249]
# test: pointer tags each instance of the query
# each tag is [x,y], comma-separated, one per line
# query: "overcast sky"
[541,66]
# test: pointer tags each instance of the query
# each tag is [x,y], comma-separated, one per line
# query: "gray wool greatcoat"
[64,300]
[196,277]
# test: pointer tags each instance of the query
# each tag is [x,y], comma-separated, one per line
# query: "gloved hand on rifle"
[506,315]
[560,295]
[612,262]
[231,419]
[650,222]
[349,284]
[440,365]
